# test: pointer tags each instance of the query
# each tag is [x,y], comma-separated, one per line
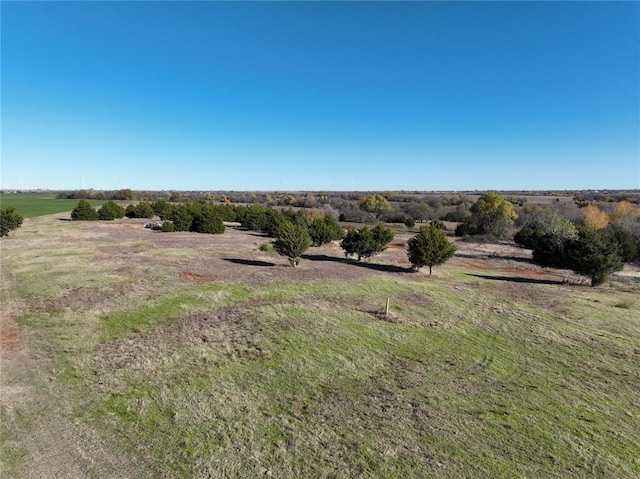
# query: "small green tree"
[167,227]
[593,254]
[253,217]
[110,211]
[364,242]
[292,241]
[9,220]
[430,247]
[492,214]
[206,220]
[141,210]
[325,230]
[274,219]
[84,212]
[181,217]
[160,207]
[376,204]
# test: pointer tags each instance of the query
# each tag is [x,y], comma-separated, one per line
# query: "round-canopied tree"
[376,204]
[492,214]
[292,241]
[430,247]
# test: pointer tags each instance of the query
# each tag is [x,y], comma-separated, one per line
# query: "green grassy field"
[469,376]
[38,204]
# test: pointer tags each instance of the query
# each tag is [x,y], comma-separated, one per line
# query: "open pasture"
[38,204]
[132,353]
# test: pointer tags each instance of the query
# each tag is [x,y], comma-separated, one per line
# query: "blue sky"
[320,95]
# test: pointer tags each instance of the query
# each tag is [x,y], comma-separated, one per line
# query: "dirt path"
[40,438]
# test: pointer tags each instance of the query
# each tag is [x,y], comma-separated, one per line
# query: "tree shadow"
[513,279]
[387,268]
[481,256]
[249,262]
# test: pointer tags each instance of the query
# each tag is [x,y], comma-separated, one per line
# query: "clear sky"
[320,95]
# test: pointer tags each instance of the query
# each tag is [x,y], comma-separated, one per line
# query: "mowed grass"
[38,204]
[304,388]
[467,377]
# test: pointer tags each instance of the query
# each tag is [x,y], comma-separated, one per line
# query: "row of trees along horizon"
[588,239]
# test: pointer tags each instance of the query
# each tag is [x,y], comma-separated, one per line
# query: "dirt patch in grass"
[195,277]
[9,338]
[222,332]
[475,264]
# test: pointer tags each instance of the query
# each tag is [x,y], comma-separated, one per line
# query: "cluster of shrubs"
[198,217]
[295,231]
[108,211]
[592,251]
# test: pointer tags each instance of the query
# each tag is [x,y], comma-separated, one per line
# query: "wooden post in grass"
[386,311]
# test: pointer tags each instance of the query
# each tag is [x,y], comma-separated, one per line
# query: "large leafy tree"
[364,242]
[84,212]
[292,241]
[593,254]
[430,247]
[492,214]
[9,220]
[376,204]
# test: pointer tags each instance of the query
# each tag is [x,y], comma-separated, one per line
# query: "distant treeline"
[417,206]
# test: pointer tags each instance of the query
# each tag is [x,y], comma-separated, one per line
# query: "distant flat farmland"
[39,204]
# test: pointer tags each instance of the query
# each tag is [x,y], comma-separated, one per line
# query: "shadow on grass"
[515,279]
[485,256]
[249,262]
[248,232]
[387,268]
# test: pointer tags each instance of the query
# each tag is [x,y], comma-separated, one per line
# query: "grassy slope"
[473,378]
[38,204]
